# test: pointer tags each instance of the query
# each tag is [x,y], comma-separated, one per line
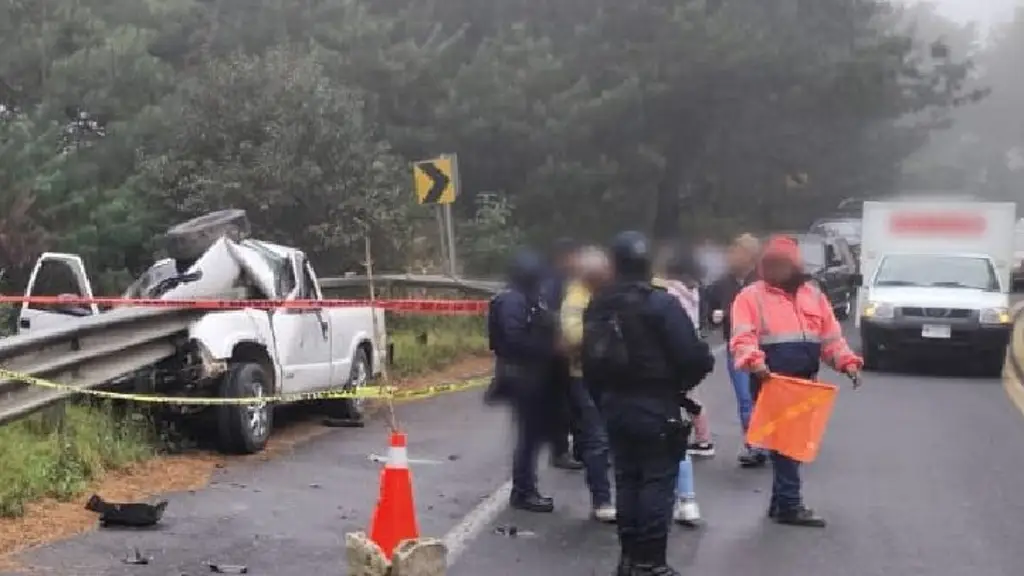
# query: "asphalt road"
[918,475]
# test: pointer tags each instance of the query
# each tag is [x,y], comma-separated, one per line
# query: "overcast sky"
[985,12]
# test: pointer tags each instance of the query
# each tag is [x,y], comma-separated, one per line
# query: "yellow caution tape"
[365,393]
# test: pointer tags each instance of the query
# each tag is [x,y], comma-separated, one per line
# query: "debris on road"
[513,532]
[344,422]
[228,569]
[135,558]
[130,514]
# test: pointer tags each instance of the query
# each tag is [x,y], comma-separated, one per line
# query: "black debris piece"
[228,569]
[132,514]
[344,423]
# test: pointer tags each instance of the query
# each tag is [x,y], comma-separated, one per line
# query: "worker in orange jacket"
[784,324]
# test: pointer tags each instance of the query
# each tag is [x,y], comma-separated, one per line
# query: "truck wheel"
[872,355]
[190,240]
[993,362]
[244,429]
[844,311]
[353,410]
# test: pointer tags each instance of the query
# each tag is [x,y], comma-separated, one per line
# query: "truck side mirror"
[857,279]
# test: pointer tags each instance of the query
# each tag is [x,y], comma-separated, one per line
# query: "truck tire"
[871,354]
[844,311]
[190,240]
[352,411]
[244,429]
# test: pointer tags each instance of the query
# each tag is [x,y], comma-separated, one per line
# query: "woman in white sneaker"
[681,280]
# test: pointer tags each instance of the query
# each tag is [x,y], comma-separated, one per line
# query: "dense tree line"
[983,152]
[119,118]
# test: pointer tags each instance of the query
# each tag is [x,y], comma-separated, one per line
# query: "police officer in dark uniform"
[640,346]
[522,335]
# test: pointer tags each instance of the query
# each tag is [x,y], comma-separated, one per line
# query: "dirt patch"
[48,520]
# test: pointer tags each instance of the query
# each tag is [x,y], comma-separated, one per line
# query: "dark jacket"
[664,349]
[521,333]
[720,294]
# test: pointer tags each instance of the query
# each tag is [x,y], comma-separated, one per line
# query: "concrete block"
[363,557]
[422,557]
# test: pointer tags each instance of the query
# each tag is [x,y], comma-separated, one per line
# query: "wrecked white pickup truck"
[233,353]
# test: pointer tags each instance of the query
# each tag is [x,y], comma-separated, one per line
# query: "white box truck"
[935,280]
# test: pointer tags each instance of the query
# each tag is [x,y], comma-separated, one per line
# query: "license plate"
[935,331]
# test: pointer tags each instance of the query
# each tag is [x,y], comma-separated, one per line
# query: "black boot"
[531,502]
[649,559]
[798,516]
[625,567]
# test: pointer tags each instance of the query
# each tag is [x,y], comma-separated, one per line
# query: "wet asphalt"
[918,474]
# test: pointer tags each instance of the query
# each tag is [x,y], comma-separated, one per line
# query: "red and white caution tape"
[427,307]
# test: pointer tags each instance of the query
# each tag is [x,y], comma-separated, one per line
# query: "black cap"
[526,269]
[631,255]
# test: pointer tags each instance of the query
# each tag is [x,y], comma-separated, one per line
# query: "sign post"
[436,181]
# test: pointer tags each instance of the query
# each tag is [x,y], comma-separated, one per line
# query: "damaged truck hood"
[223,269]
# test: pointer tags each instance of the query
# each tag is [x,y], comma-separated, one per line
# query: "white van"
[935,279]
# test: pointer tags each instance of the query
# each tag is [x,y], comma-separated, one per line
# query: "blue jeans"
[684,485]
[741,386]
[785,483]
[592,440]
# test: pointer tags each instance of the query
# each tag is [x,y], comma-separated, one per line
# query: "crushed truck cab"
[237,353]
[936,281]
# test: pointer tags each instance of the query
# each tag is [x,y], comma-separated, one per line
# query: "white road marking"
[487,511]
[474,523]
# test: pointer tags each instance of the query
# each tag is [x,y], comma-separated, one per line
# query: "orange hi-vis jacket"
[789,333]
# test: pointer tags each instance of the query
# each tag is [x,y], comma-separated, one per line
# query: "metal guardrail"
[87,353]
[487,287]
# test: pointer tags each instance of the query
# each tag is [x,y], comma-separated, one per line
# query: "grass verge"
[41,462]
[423,345]
[44,461]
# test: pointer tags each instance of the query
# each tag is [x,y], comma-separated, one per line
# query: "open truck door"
[60,275]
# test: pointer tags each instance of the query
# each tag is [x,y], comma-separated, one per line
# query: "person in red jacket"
[784,324]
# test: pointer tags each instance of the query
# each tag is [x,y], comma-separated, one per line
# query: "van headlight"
[879,311]
[995,316]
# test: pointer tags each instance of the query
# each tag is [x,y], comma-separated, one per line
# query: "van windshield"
[938,271]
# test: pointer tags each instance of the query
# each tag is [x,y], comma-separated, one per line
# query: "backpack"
[605,350]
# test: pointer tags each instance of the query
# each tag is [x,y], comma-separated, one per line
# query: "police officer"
[522,336]
[640,346]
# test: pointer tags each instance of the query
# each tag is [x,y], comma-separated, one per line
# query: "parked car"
[831,263]
[233,353]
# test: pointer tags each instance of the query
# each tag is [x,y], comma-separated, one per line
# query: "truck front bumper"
[908,336]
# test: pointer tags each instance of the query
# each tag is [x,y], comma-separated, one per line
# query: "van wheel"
[244,429]
[189,240]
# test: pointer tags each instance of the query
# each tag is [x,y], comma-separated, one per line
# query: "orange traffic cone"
[394,518]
